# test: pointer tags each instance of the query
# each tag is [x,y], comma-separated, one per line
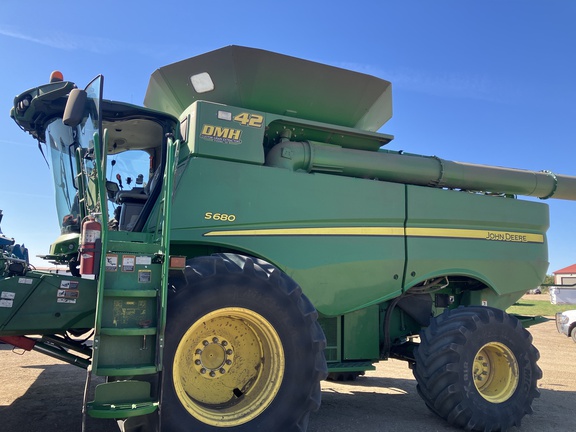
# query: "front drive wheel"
[476,368]
[243,349]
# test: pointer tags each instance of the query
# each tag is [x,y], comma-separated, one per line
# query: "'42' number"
[248,119]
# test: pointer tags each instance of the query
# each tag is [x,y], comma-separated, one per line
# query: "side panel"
[361,334]
[340,238]
[343,239]
[500,241]
[353,338]
[46,303]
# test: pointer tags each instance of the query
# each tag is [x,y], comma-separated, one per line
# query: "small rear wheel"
[243,349]
[476,368]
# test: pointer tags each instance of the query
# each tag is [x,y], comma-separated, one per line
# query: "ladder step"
[120,411]
[126,370]
[121,399]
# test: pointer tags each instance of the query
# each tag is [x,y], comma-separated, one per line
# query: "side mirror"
[74,111]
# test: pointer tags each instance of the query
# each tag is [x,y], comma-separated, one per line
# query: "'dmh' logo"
[221,134]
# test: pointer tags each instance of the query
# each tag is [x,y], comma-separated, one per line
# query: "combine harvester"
[244,236]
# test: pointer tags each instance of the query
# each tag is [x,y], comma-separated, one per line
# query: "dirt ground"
[39,394]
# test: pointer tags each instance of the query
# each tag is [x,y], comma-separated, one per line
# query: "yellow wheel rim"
[228,367]
[495,372]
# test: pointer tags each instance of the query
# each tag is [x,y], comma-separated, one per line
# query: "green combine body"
[253,238]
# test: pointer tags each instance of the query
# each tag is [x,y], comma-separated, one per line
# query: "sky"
[490,82]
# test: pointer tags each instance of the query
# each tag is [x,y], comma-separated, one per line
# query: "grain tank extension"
[245,235]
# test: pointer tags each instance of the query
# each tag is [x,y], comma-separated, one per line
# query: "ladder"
[131,310]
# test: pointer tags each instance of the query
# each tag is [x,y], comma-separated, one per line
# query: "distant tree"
[548,280]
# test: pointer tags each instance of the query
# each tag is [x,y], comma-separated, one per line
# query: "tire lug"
[222,370]
[212,374]
[202,371]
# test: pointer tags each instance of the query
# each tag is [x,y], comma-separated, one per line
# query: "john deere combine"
[245,234]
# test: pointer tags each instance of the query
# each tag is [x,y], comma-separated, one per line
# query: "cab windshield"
[62,145]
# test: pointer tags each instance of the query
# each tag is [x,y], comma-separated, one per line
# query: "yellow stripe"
[504,236]
[336,231]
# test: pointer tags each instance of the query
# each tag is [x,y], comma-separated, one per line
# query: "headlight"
[561,319]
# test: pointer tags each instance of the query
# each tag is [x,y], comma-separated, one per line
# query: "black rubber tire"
[573,333]
[218,282]
[446,357]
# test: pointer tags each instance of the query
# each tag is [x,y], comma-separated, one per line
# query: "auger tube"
[420,170]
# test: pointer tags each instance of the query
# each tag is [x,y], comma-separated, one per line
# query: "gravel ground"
[40,394]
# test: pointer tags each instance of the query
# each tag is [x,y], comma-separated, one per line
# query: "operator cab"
[134,150]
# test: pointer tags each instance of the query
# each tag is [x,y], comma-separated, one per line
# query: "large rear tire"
[476,368]
[243,349]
